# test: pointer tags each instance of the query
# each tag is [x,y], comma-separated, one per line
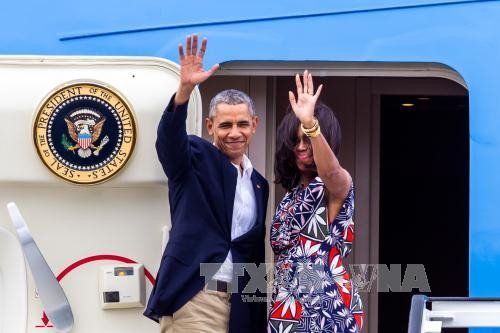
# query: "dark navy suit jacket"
[202,184]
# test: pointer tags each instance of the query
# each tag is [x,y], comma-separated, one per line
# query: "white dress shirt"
[244,214]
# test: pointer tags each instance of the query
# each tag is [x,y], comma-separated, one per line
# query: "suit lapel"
[259,197]
[229,178]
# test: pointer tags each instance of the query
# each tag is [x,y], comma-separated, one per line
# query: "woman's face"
[303,153]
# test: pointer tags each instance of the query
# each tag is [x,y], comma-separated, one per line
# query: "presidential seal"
[84,132]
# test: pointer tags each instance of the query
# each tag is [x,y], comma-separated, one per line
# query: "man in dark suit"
[218,206]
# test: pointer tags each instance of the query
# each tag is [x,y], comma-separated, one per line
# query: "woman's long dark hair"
[286,172]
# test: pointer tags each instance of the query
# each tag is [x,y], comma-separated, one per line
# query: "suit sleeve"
[261,320]
[172,144]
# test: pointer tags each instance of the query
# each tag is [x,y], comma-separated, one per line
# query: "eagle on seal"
[84,128]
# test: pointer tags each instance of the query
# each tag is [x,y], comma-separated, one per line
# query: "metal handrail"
[418,304]
[430,314]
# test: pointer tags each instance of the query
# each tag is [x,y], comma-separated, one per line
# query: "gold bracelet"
[312,131]
[315,133]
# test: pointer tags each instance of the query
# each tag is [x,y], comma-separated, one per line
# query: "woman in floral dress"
[312,229]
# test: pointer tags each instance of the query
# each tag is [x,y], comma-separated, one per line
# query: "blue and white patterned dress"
[312,291]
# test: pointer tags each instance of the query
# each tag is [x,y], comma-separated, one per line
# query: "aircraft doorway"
[424,197]
[360,99]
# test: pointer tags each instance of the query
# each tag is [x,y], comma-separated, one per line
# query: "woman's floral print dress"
[312,291]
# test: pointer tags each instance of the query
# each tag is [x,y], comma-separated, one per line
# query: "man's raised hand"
[192,72]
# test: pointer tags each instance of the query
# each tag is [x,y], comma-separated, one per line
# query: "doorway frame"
[373,80]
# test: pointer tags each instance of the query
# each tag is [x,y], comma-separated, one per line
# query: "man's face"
[232,129]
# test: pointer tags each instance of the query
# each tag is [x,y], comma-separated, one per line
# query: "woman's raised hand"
[303,105]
